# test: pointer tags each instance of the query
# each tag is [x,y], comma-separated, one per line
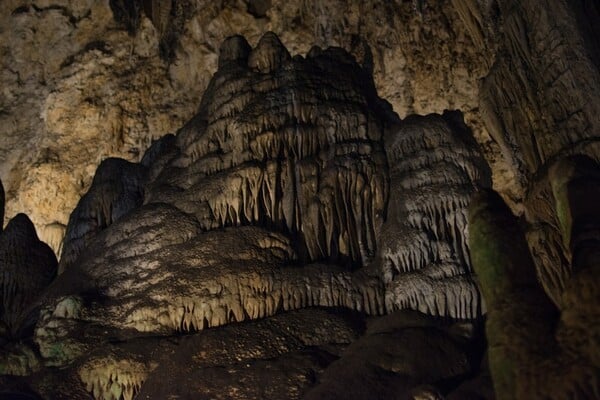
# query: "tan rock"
[77,88]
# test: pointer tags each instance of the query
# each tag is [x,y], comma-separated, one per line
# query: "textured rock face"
[28,266]
[540,103]
[273,198]
[274,145]
[532,340]
[129,71]
[435,166]
[318,190]
[546,84]
[78,88]
[117,188]
[295,146]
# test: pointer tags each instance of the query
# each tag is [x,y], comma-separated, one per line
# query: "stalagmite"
[117,189]
[434,168]
[269,54]
[531,341]
[27,266]
[270,155]
[295,186]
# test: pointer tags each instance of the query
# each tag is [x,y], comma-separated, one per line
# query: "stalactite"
[298,152]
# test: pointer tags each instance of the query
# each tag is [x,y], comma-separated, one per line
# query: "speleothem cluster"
[295,213]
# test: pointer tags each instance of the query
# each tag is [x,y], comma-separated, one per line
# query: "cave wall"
[83,81]
[540,103]
[76,89]
[541,96]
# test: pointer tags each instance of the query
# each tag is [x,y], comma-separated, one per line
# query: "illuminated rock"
[275,197]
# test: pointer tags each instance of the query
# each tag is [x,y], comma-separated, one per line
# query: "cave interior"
[333,199]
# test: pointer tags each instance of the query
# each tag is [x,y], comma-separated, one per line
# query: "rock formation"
[117,188]
[274,197]
[129,71]
[28,266]
[294,237]
[435,166]
[531,340]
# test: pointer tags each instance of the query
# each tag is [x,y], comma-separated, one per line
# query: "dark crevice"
[73,20]
[127,13]
[98,45]
[20,10]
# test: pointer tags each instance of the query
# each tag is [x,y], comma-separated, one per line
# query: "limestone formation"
[117,188]
[273,198]
[293,170]
[83,81]
[72,96]
[540,103]
[27,266]
[75,72]
[294,237]
[435,165]
[531,341]
[286,150]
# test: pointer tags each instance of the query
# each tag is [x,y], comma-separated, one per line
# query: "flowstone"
[294,209]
